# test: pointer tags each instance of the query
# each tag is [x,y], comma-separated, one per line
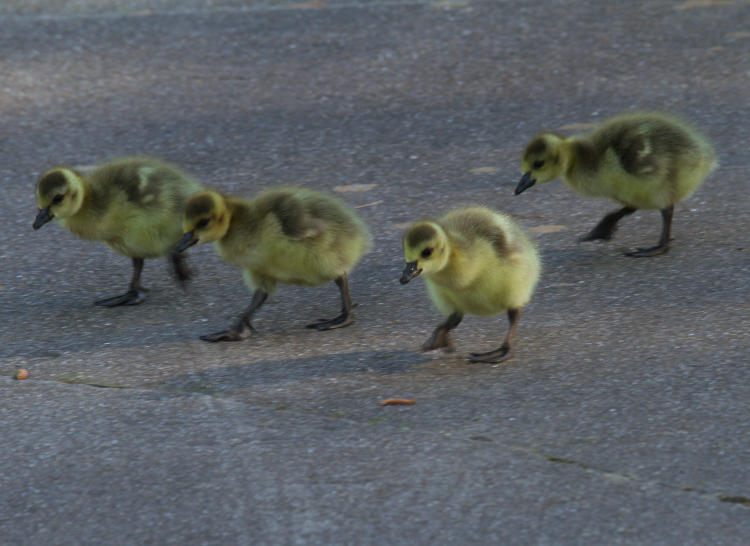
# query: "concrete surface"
[623,417]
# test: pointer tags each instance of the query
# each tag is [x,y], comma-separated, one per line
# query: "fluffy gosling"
[133,205]
[473,260]
[640,160]
[289,235]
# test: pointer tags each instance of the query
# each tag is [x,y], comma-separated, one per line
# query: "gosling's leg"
[503,352]
[346,317]
[607,225]
[235,332]
[135,294]
[179,268]
[663,246]
[441,335]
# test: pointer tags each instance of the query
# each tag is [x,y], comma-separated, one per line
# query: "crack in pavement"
[291,6]
[621,477]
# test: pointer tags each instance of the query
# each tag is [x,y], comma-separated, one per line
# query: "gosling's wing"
[479,223]
[143,183]
[495,235]
[649,145]
[291,213]
[638,151]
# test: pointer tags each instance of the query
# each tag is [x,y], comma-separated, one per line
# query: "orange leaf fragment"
[398,402]
[547,229]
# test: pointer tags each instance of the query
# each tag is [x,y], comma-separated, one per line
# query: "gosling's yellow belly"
[506,285]
[289,275]
[467,302]
[650,190]
[145,245]
[265,268]
[476,300]
[135,239]
[641,193]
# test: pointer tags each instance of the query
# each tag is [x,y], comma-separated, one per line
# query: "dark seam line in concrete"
[721,497]
[92,384]
[293,7]
[739,499]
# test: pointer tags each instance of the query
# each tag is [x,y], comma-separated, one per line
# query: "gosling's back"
[134,205]
[294,235]
[644,160]
[493,265]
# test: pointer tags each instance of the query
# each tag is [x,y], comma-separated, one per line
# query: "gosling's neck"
[84,220]
[454,263]
[240,216]
[569,155]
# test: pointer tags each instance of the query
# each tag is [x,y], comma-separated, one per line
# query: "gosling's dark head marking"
[419,234]
[52,183]
[200,205]
[536,146]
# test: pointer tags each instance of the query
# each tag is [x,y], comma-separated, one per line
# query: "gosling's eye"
[202,223]
[538,164]
[426,253]
[57,199]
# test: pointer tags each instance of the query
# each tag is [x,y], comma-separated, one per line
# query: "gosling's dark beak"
[410,271]
[525,183]
[43,217]
[187,241]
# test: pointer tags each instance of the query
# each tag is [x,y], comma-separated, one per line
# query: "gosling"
[286,235]
[133,205]
[477,261]
[640,160]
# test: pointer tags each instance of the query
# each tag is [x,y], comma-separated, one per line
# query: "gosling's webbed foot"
[226,335]
[493,357]
[341,321]
[131,297]
[648,252]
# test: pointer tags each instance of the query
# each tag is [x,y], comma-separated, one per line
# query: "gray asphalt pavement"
[623,417]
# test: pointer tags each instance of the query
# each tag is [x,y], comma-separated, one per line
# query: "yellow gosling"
[133,205]
[476,261]
[640,160]
[286,235]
